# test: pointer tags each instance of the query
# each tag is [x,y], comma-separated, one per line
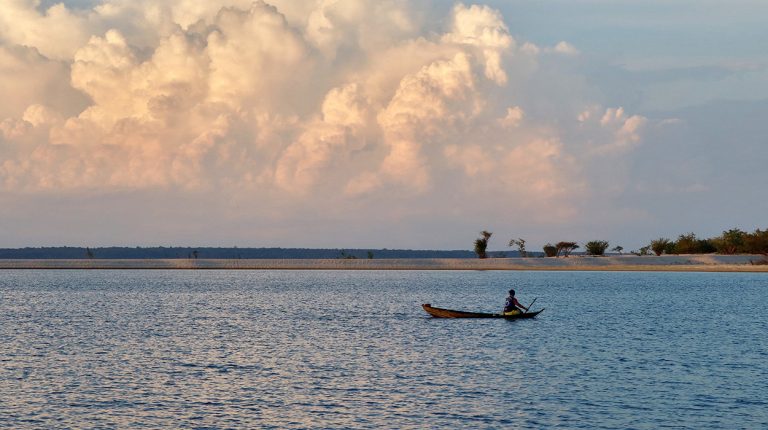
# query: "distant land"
[122,252]
[664,263]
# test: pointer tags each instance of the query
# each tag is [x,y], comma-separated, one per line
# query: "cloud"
[27,78]
[339,130]
[298,103]
[564,48]
[513,118]
[484,29]
[56,32]
[611,130]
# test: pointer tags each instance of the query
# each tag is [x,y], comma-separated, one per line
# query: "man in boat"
[512,306]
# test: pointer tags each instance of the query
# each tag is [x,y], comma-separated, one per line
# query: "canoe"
[448,313]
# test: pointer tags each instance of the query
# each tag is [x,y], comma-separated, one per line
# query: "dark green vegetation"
[560,249]
[481,244]
[659,246]
[596,247]
[565,248]
[733,241]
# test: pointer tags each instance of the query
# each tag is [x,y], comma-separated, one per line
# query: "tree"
[690,244]
[550,250]
[596,247]
[705,246]
[686,244]
[618,249]
[670,248]
[88,253]
[646,250]
[659,245]
[520,242]
[565,248]
[757,242]
[730,242]
[370,255]
[481,244]
[194,254]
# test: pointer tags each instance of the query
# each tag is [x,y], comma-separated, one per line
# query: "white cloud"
[301,103]
[27,78]
[564,48]
[611,130]
[56,32]
[483,28]
[513,118]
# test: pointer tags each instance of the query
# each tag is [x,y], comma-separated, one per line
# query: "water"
[348,349]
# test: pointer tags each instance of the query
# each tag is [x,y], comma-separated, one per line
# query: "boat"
[448,313]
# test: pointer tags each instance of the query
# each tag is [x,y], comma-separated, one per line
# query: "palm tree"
[481,244]
[596,247]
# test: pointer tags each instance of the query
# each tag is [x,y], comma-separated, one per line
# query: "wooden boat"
[447,313]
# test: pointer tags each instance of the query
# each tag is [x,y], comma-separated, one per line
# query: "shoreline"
[671,263]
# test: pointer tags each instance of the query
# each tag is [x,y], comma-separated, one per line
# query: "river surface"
[353,349]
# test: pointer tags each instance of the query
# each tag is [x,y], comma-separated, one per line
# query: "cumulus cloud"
[27,78]
[611,130]
[352,98]
[56,32]
[483,28]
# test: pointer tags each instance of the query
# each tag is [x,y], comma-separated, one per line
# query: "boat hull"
[448,313]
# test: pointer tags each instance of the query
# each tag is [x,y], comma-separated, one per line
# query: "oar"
[529,306]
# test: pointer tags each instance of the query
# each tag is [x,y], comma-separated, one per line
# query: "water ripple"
[283,349]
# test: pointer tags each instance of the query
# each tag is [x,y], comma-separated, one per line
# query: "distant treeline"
[733,241]
[117,252]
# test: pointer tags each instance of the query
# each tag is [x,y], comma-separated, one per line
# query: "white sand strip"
[694,263]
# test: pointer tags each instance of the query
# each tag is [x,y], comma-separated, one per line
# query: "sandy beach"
[672,263]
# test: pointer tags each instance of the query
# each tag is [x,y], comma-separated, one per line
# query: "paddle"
[529,306]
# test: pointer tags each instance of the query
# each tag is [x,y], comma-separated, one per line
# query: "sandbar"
[664,263]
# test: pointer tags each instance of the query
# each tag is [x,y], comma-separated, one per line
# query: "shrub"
[565,248]
[550,250]
[596,247]
[690,244]
[705,246]
[660,245]
[686,244]
[730,242]
[646,250]
[757,242]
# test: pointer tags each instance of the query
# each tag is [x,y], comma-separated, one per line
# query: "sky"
[380,124]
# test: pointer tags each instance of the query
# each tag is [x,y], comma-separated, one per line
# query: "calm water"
[342,349]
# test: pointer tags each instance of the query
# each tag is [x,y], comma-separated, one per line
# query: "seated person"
[512,306]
